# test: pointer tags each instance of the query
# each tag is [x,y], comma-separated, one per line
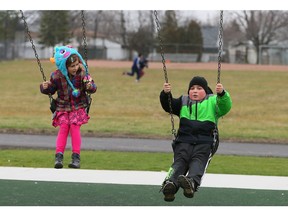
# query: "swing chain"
[33,46]
[161,46]
[84,36]
[173,131]
[89,98]
[216,131]
[220,45]
[219,56]
[52,101]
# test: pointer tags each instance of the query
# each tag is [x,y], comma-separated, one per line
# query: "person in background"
[143,64]
[137,66]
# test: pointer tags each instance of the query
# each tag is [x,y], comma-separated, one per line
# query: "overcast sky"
[202,15]
[144,5]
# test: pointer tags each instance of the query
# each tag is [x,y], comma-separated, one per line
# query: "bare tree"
[142,39]
[232,32]
[261,27]
[123,29]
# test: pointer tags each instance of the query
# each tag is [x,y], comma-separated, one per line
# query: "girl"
[71,82]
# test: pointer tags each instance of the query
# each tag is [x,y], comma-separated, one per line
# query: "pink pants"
[69,122]
[63,133]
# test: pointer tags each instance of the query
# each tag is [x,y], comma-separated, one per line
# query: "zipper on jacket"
[196,110]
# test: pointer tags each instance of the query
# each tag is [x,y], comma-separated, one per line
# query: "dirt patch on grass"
[196,66]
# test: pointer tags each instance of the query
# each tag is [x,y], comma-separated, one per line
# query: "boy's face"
[73,68]
[197,93]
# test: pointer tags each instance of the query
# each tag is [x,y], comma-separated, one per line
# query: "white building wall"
[25,51]
[114,50]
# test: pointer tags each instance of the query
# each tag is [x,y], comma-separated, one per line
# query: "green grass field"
[121,107]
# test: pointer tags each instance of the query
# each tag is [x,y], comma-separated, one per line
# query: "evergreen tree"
[55,28]
[9,25]
[191,38]
[169,31]
[181,39]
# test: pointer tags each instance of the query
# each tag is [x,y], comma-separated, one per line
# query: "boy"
[193,144]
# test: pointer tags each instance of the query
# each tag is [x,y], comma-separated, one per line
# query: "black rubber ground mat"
[44,193]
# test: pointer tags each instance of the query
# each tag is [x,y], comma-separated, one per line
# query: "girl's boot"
[75,163]
[58,161]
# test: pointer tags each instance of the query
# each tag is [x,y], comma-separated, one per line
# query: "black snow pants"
[190,159]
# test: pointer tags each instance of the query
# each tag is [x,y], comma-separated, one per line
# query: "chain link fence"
[268,55]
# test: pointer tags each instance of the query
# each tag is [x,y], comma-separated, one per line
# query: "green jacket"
[197,118]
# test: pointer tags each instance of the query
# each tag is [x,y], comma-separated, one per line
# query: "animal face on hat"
[61,54]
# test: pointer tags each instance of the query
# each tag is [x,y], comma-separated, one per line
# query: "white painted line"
[139,178]
[245,181]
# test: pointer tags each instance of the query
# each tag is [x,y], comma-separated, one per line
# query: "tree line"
[136,30]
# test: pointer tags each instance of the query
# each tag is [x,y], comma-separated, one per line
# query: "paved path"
[139,178]
[146,145]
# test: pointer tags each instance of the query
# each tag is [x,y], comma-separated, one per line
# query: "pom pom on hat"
[76,93]
[201,81]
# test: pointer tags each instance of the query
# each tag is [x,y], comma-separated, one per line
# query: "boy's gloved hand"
[219,88]
[167,87]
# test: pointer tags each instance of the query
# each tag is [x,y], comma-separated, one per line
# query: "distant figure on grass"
[139,63]
[193,146]
[143,64]
[71,82]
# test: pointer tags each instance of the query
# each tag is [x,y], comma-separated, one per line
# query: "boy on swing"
[194,144]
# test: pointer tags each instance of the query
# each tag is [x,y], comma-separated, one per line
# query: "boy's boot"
[58,161]
[188,186]
[169,190]
[75,163]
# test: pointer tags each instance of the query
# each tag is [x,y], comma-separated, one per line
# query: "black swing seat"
[52,104]
[89,100]
[215,142]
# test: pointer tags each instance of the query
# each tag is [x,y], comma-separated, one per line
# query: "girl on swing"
[71,82]
[193,145]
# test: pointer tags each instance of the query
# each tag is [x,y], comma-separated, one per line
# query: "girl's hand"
[167,87]
[88,85]
[87,79]
[45,84]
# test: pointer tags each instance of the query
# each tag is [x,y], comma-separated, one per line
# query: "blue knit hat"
[61,54]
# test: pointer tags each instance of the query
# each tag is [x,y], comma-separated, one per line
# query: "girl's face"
[73,68]
[197,93]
